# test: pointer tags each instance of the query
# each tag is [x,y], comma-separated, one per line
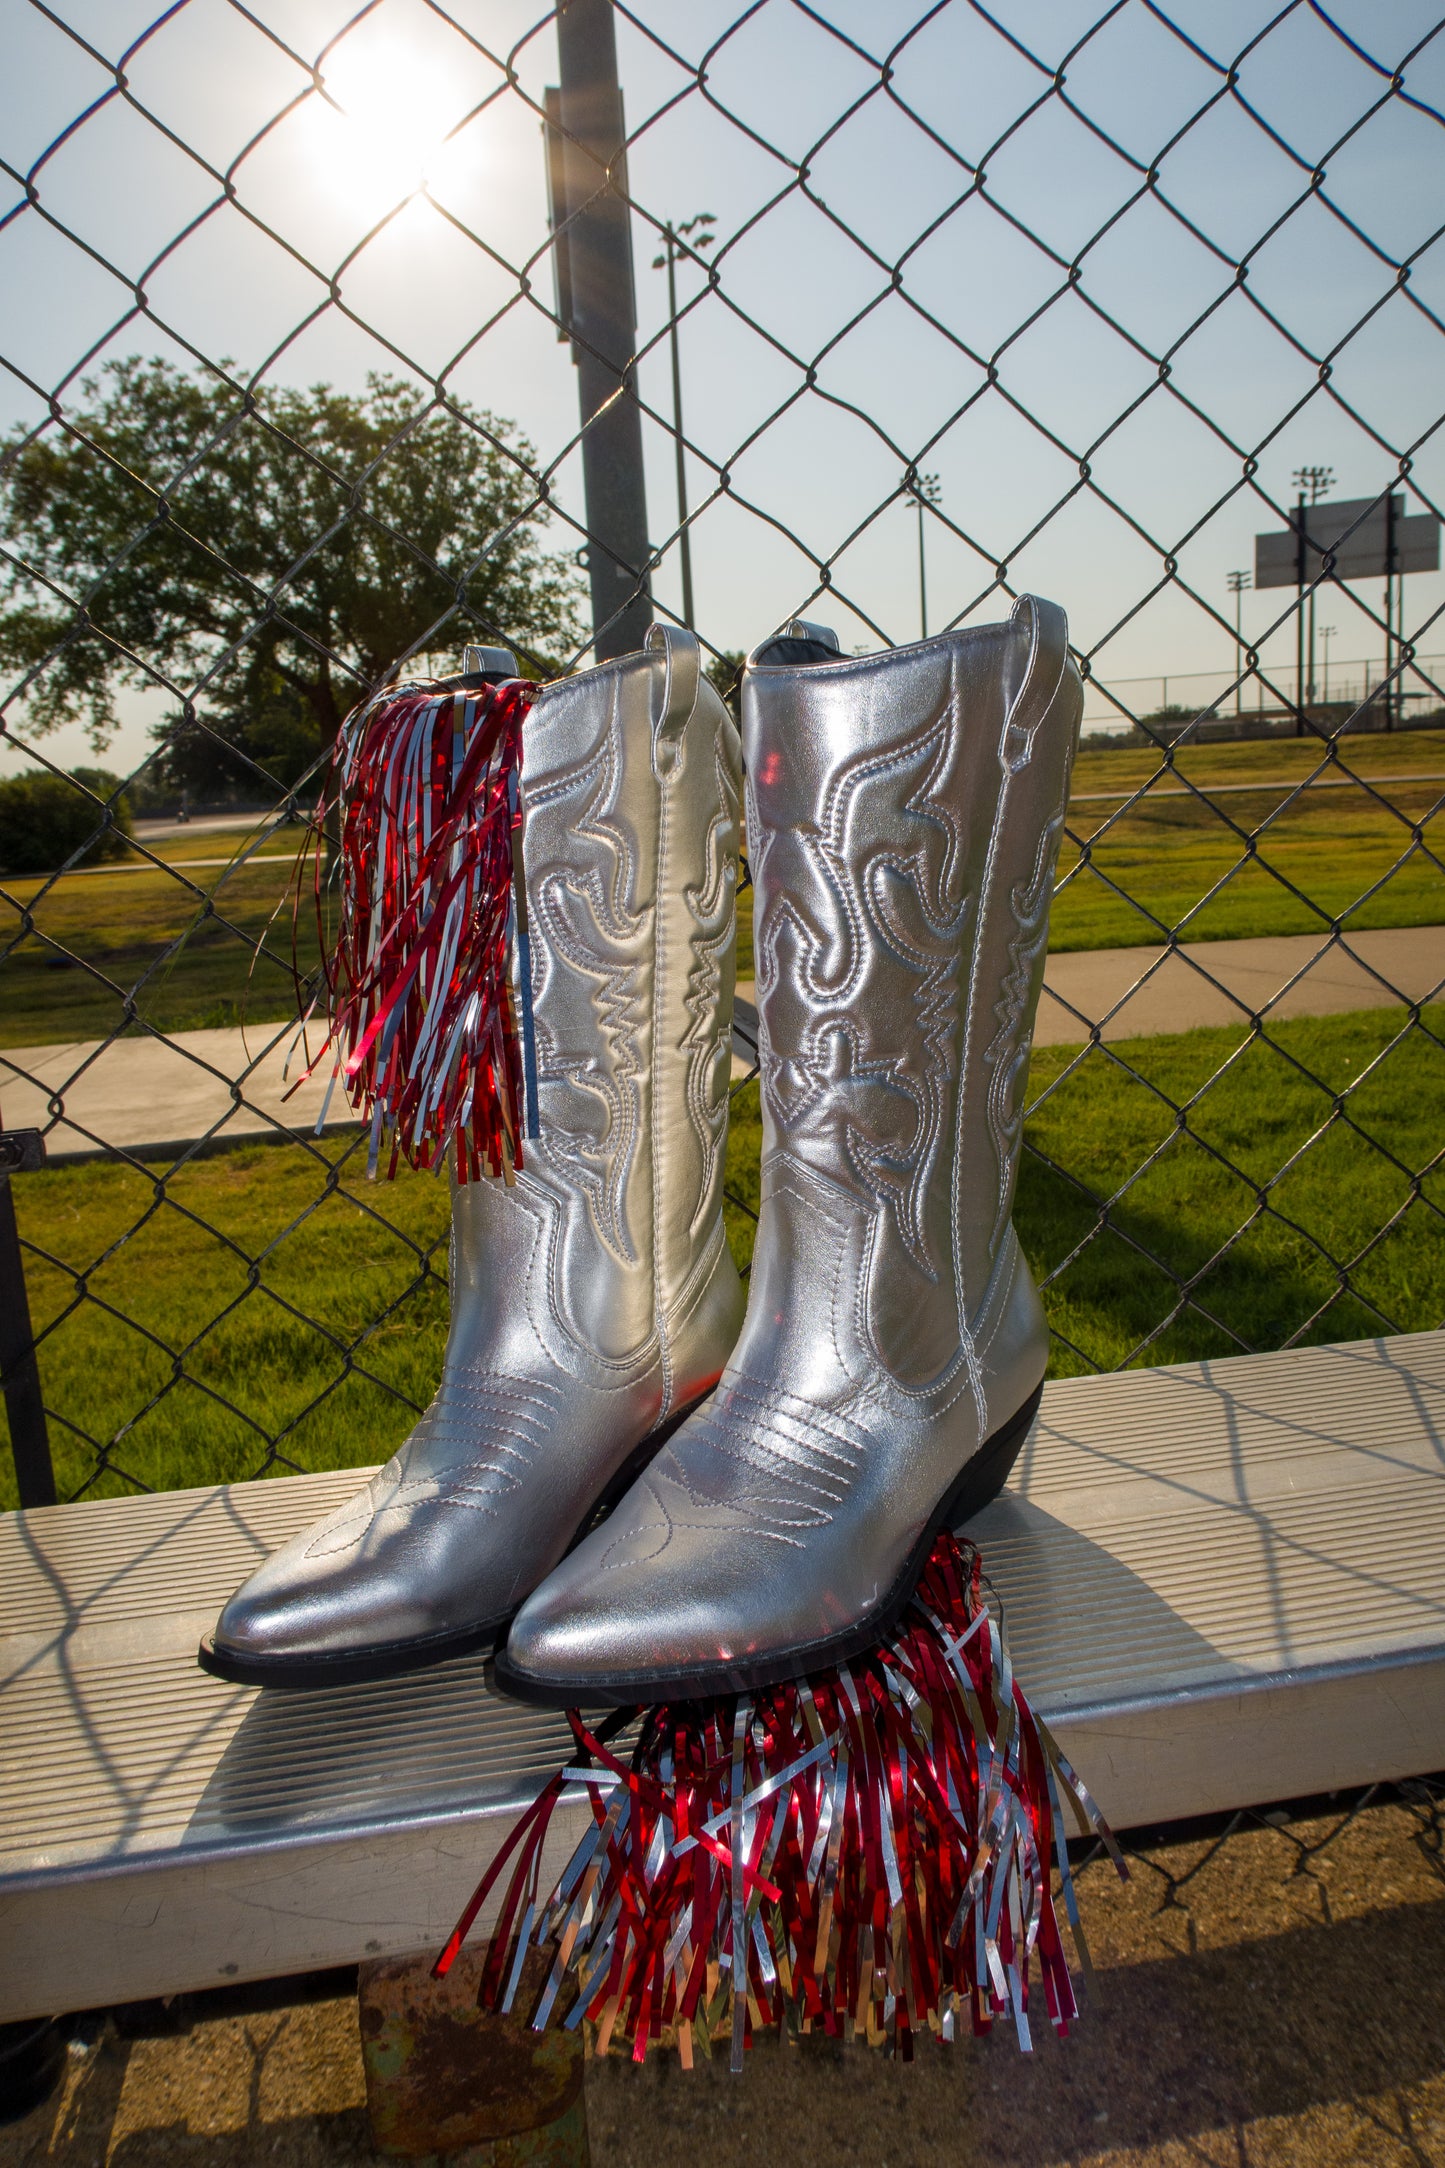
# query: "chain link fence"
[353,335]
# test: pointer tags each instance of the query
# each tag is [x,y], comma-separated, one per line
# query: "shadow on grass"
[1206,1195]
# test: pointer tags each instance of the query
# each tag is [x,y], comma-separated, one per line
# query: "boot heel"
[985,1475]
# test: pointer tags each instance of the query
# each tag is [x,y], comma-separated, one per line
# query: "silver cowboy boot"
[594,1299]
[904,816]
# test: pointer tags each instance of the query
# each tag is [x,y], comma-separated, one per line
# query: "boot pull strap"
[672,711]
[1048,631]
[802,628]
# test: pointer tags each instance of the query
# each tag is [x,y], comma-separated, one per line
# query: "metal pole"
[684,534]
[1389,605]
[24,1408]
[601,309]
[1299,627]
[1397,682]
[1238,581]
[925,492]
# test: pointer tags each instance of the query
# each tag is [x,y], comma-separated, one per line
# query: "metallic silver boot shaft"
[904,817]
[595,1294]
[631,788]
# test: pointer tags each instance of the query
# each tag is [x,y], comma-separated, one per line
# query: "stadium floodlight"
[686,239]
[927,490]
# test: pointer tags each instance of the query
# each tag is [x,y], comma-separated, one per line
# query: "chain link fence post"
[599,309]
[21,1151]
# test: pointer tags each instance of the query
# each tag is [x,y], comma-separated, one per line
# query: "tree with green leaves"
[266,556]
[45,822]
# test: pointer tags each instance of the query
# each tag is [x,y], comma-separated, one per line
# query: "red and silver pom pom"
[869,1852]
[418,982]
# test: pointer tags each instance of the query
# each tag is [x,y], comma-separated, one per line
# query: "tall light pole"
[1313,483]
[1238,582]
[927,490]
[1327,633]
[675,243]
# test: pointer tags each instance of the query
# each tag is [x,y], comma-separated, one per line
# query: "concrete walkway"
[156,1096]
[205,824]
[1138,992]
[152,1096]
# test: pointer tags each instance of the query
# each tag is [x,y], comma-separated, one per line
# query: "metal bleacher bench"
[1224,1583]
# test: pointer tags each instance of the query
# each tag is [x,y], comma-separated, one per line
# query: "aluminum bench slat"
[1223,1583]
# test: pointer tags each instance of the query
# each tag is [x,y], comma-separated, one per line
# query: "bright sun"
[381,131]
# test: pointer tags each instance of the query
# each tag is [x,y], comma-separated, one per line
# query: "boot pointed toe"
[270,1625]
[583,1301]
[335,1605]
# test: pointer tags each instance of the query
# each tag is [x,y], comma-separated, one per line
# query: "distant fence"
[1352,695]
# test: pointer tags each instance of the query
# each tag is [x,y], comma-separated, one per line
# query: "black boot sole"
[389,1660]
[978,1482]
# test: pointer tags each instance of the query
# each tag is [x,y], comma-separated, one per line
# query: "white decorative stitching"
[584,904]
[911,900]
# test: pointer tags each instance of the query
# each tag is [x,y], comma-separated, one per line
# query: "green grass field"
[230,946]
[273,1295]
[1336,854]
[1166,856]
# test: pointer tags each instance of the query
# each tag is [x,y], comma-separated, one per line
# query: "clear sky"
[891,273]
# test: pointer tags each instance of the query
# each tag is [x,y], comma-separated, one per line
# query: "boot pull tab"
[674,700]
[1048,631]
[494,664]
[799,641]
[802,628]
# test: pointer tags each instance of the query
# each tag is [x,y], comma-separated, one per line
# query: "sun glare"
[380,133]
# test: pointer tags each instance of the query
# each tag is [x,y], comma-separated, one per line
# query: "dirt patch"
[1272,1995]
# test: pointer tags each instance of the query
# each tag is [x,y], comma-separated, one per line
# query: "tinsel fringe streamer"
[877,1842]
[417,986]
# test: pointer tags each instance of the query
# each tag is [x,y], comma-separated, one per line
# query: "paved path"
[1138,992]
[203,824]
[1135,992]
[159,865]
[141,1093]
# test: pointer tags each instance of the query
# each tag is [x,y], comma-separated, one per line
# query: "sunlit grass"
[213,947]
[269,1309]
[1336,854]
[1363,1194]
